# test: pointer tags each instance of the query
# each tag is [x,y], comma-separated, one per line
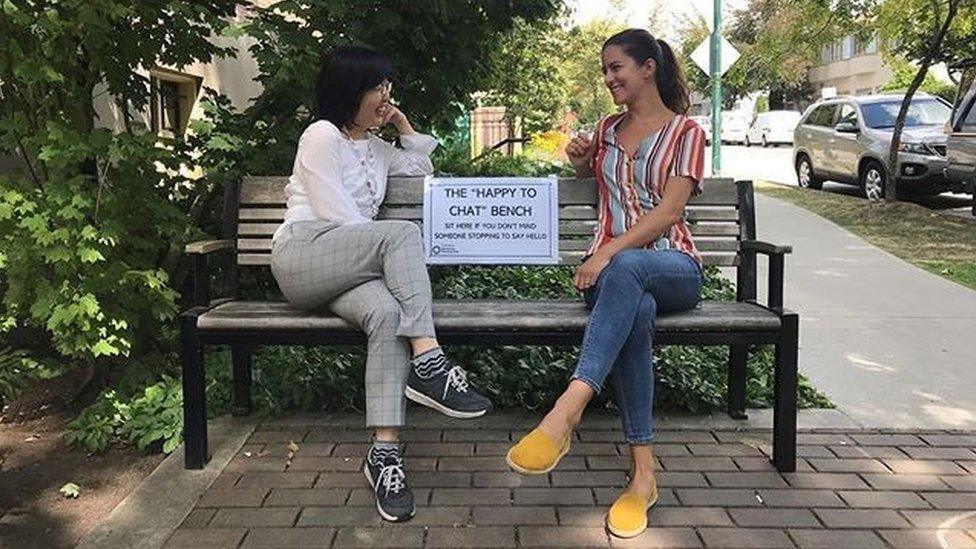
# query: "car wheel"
[765,142]
[804,174]
[873,180]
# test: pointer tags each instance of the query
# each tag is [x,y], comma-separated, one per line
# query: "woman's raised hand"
[393,115]
[580,151]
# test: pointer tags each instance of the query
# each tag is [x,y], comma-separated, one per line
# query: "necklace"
[367,163]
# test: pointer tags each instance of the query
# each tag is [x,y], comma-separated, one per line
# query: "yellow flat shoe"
[536,453]
[628,515]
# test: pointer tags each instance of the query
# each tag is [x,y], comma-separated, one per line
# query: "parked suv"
[847,139]
[961,150]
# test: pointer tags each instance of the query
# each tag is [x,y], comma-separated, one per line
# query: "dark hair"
[640,46]
[345,76]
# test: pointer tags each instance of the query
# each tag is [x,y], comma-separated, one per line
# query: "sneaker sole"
[386,517]
[630,533]
[425,400]
[521,470]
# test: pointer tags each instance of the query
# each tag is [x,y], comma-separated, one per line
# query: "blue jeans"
[627,296]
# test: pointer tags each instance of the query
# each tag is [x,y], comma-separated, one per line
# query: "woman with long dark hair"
[332,253]
[648,161]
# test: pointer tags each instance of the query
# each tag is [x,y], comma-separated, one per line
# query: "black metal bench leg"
[241,357]
[194,395]
[738,355]
[784,415]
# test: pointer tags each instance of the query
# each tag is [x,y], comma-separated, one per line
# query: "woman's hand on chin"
[393,115]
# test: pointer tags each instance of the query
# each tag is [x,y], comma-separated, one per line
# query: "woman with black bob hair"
[648,161]
[330,252]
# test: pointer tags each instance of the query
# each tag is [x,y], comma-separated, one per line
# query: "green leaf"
[90,255]
[70,490]
[104,348]
[233,31]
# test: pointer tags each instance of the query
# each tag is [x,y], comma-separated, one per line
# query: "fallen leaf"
[292,448]
[32,438]
[262,453]
[247,454]
[70,490]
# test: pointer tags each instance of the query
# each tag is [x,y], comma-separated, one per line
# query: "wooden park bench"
[722,220]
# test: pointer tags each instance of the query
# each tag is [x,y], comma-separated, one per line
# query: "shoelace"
[458,379]
[391,477]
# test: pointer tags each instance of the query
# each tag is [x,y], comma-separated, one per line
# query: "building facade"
[850,66]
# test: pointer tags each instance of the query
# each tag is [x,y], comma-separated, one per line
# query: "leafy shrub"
[98,424]
[520,376]
[156,416]
[16,370]
[455,161]
[153,416]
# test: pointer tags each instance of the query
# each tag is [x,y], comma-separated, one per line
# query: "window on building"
[865,45]
[872,46]
[173,97]
[847,47]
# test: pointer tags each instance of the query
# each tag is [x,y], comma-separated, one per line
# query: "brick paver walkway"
[851,489]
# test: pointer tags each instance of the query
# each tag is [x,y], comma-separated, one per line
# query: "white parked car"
[734,127]
[772,128]
[706,123]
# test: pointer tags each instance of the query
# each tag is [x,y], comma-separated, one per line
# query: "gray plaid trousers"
[373,275]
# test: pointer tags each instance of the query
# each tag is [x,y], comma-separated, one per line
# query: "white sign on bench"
[491,220]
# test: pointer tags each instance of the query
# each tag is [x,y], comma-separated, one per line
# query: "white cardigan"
[328,182]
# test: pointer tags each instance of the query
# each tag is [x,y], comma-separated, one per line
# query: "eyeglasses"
[384,88]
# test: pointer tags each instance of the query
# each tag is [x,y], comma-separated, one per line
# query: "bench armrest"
[776,255]
[200,253]
[764,247]
[204,247]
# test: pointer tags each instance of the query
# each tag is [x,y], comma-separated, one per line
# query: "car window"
[969,123]
[921,112]
[847,114]
[965,120]
[965,94]
[822,116]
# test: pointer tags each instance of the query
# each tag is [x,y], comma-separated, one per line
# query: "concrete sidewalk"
[892,345]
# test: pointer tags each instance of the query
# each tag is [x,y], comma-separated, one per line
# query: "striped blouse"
[630,187]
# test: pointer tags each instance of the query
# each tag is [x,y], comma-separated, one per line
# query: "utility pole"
[715,73]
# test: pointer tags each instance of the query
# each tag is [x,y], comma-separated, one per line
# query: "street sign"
[729,55]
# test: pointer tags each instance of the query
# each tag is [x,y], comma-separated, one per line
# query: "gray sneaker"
[437,383]
[384,471]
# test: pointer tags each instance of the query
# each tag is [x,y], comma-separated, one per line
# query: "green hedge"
[514,376]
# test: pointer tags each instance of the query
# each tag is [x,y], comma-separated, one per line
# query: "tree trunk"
[891,184]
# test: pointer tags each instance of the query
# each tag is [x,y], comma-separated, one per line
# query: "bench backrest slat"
[713,216]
